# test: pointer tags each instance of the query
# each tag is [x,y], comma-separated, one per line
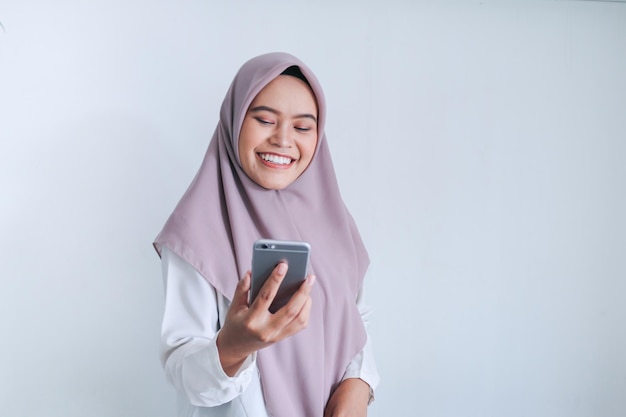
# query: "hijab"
[223,212]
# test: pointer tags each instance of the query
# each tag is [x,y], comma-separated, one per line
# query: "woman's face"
[279,133]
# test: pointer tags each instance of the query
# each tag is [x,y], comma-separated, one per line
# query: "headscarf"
[223,212]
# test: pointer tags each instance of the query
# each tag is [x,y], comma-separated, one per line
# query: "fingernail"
[282,268]
[311,280]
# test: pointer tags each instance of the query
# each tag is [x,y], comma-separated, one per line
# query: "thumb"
[240,298]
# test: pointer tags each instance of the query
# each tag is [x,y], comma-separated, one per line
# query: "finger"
[304,290]
[241,291]
[270,288]
[293,309]
[299,321]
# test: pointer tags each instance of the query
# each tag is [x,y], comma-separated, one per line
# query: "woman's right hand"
[248,328]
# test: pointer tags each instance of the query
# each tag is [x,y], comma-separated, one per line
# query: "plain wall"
[479,145]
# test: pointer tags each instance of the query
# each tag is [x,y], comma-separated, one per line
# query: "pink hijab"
[223,212]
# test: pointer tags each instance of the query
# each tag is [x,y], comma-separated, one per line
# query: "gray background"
[480,146]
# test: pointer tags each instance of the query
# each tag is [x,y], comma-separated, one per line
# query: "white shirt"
[194,313]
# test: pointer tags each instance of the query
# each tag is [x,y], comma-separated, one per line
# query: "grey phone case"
[266,254]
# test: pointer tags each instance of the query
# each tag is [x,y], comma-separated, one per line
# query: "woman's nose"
[281,137]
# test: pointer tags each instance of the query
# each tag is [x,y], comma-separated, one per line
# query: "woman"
[267,174]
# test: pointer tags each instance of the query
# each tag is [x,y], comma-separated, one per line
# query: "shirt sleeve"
[189,331]
[363,365]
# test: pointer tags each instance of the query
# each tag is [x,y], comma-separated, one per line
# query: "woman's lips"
[275,160]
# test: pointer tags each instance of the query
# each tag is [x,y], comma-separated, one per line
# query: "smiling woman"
[266,171]
[279,133]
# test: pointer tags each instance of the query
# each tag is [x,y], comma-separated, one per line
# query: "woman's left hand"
[350,399]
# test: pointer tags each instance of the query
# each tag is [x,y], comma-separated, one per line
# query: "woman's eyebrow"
[276,112]
[307,115]
[264,108]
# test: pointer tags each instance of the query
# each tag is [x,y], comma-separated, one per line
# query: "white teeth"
[275,159]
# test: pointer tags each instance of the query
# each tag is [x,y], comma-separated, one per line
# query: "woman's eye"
[263,121]
[302,129]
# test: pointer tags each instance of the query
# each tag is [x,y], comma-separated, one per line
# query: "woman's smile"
[273,160]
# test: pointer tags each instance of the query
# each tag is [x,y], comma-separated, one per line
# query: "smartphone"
[266,254]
